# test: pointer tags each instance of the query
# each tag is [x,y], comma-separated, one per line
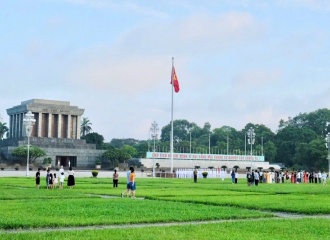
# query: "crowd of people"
[255,177]
[53,180]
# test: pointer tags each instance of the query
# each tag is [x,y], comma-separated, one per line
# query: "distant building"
[56,131]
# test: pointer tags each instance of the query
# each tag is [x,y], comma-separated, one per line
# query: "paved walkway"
[139,225]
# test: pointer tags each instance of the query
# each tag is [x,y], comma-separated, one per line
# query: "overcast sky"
[237,61]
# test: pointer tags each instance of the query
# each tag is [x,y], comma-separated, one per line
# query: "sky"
[237,62]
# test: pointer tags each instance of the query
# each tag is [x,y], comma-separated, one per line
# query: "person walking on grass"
[38,178]
[115,177]
[132,182]
[127,192]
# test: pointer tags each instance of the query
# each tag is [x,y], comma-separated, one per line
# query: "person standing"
[50,182]
[127,192]
[324,178]
[71,180]
[61,170]
[315,177]
[319,176]
[222,174]
[55,181]
[61,180]
[298,177]
[256,178]
[132,182]
[236,176]
[261,175]
[47,178]
[232,174]
[115,177]
[38,178]
[249,178]
[195,175]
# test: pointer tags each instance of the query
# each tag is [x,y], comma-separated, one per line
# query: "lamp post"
[209,143]
[327,144]
[251,138]
[190,140]
[29,122]
[154,129]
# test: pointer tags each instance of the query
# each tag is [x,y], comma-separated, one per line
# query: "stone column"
[15,125]
[11,129]
[49,125]
[78,127]
[69,127]
[20,124]
[59,126]
[39,124]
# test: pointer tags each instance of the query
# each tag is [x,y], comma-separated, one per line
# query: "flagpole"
[172,118]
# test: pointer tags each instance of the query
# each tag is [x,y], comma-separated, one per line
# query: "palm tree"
[3,130]
[85,127]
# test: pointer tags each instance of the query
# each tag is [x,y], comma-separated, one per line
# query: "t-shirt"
[62,178]
[132,177]
[128,173]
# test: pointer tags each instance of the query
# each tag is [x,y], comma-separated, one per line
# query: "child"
[50,182]
[38,179]
[55,181]
[61,180]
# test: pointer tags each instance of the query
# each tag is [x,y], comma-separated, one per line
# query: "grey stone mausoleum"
[56,131]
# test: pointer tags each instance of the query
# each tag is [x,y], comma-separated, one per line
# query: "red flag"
[174,81]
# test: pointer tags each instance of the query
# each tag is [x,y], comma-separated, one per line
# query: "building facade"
[56,131]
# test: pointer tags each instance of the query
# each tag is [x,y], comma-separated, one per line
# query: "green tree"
[3,130]
[311,156]
[113,157]
[94,138]
[85,127]
[130,150]
[288,139]
[34,152]
[118,143]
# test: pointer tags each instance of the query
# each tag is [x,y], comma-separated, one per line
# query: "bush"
[17,166]
[3,166]
[205,174]
[95,173]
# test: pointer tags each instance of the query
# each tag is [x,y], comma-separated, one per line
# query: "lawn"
[94,210]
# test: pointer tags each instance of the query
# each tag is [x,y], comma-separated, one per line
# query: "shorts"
[132,186]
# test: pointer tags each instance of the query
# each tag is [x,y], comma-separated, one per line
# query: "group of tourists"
[254,177]
[53,180]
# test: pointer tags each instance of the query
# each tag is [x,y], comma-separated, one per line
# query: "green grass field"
[164,209]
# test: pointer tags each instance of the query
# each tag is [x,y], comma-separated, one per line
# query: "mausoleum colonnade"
[54,119]
[47,125]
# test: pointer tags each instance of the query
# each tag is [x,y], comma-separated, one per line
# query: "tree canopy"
[34,152]
[299,141]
